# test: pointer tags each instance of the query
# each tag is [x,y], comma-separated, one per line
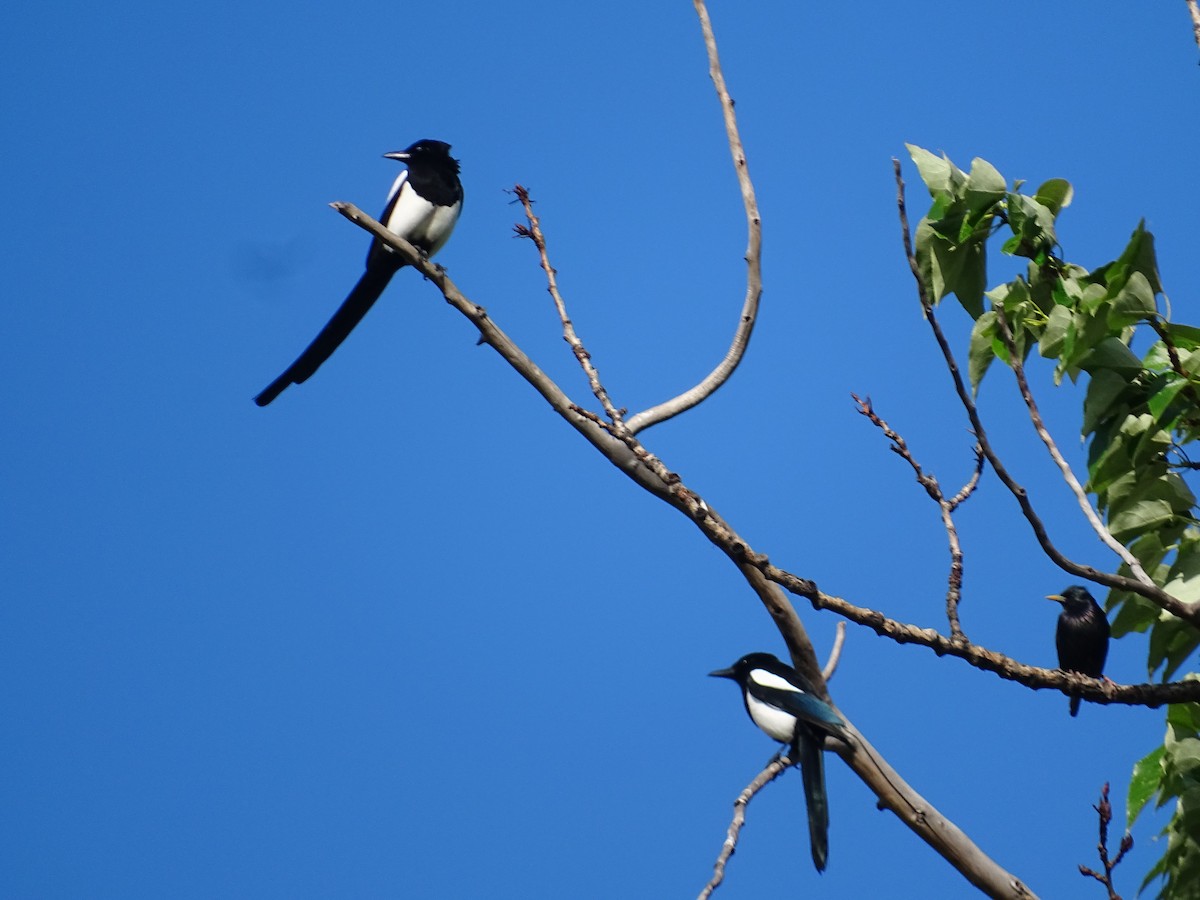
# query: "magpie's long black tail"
[812,770]
[349,314]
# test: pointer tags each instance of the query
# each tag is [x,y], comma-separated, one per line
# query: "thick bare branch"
[1194,9]
[649,472]
[741,337]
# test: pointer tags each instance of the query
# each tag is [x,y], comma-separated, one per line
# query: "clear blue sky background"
[403,634]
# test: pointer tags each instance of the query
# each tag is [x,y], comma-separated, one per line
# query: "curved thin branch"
[1035,416]
[741,337]
[835,654]
[1189,613]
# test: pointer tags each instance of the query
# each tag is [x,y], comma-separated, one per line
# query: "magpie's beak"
[401,155]
[722,673]
[1057,598]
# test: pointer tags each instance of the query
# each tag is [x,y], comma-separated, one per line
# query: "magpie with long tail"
[422,208]
[781,702]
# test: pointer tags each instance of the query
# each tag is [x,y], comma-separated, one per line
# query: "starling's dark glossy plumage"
[1082,636]
[781,702]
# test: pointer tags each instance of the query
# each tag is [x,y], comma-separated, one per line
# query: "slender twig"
[835,653]
[773,770]
[534,233]
[969,488]
[1104,812]
[1035,416]
[749,315]
[934,490]
[1188,612]
[1194,9]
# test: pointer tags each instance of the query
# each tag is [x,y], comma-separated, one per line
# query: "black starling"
[1082,636]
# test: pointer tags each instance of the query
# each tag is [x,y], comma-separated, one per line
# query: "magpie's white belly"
[775,722]
[417,220]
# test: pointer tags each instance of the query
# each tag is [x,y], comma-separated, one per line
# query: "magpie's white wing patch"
[766,679]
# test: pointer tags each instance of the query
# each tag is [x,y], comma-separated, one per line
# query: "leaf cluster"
[1140,411]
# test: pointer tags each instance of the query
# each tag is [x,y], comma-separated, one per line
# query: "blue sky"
[403,633]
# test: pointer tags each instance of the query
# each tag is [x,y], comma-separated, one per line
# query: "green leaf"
[1055,195]
[1140,517]
[1111,354]
[952,268]
[1055,332]
[1171,643]
[1183,336]
[980,355]
[1136,613]
[1104,388]
[1143,784]
[1134,303]
[1033,223]
[984,189]
[939,174]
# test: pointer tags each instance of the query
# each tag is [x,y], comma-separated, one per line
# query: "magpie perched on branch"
[422,208]
[780,701]
[1082,635]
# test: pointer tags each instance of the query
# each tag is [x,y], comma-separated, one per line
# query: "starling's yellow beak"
[1057,598]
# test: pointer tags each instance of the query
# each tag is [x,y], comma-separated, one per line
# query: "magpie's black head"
[425,151]
[1075,600]
[744,666]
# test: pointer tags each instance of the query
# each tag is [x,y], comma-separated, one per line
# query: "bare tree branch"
[934,490]
[835,654]
[1194,9]
[534,233]
[1189,613]
[773,770]
[646,470]
[1035,416]
[1104,813]
[741,337]
[969,488]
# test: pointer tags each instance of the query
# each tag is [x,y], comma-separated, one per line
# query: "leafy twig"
[1189,613]
[1035,416]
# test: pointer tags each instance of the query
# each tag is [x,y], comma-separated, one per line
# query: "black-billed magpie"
[1082,635]
[780,702]
[422,208]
